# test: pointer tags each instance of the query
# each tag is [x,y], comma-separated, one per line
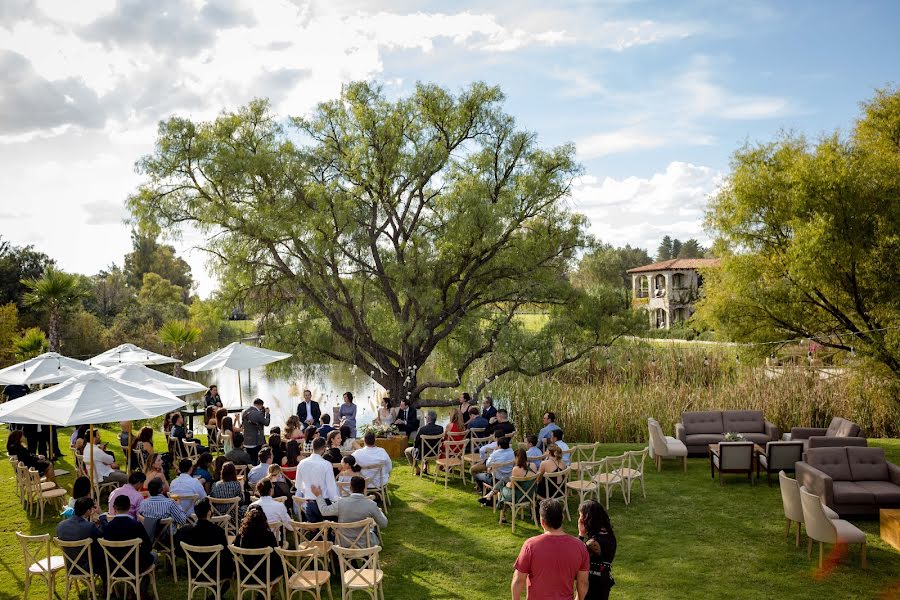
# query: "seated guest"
[407,421]
[258,473]
[121,527]
[132,490]
[155,470]
[228,486]
[186,485]
[348,469]
[553,462]
[414,452]
[79,527]
[476,421]
[504,487]
[315,470]
[465,403]
[280,486]
[226,433]
[483,453]
[326,427]
[333,447]
[81,488]
[502,423]
[348,437]
[125,434]
[15,447]
[277,446]
[354,507]
[309,435]
[500,457]
[142,445]
[375,461]
[487,409]
[238,455]
[534,453]
[158,506]
[275,511]
[255,533]
[105,467]
[202,468]
[556,437]
[180,433]
[292,453]
[207,533]
[544,433]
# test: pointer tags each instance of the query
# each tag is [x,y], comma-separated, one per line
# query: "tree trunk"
[53,326]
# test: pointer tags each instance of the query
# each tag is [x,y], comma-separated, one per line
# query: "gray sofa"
[699,429]
[840,432]
[851,480]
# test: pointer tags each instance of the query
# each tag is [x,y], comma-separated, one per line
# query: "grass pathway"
[688,539]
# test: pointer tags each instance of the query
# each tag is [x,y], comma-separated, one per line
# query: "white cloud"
[615,142]
[637,210]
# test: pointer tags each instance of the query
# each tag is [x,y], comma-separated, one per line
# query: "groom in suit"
[407,421]
[308,411]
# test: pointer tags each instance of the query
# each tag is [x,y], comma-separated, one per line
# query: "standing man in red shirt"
[552,561]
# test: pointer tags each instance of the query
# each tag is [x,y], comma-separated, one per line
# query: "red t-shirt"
[552,562]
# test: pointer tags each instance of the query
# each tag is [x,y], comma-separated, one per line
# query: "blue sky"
[656,95]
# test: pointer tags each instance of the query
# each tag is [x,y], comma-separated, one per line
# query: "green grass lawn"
[689,538]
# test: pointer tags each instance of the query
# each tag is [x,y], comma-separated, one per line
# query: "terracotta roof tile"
[677,263]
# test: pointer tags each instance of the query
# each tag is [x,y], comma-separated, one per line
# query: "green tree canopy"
[54,292]
[16,264]
[149,256]
[379,232]
[810,235]
[607,266]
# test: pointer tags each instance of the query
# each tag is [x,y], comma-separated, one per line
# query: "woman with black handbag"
[595,530]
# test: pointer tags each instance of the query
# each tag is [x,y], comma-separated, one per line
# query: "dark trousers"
[311,513]
[254,454]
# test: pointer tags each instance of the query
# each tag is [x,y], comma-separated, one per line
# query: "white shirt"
[102,460]
[275,511]
[315,470]
[567,456]
[370,458]
[185,485]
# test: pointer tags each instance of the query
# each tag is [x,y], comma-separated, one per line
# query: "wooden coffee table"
[890,526]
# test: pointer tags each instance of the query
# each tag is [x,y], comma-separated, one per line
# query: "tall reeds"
[609,397]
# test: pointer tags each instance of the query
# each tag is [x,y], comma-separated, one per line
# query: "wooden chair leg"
[684,463]
[862,557]
[808,548]
[821,554]
[799,525]
[787,531]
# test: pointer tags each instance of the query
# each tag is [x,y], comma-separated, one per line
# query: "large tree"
[380,233]
[606,266]
[18,263]
[149,256]
[54,292]
[810,235]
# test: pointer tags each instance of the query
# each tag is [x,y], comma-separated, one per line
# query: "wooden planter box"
[394,446]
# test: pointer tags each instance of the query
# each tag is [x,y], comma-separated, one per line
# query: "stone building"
[668,289]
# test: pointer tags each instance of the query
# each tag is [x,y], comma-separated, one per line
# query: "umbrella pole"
[240,391]
[50,449]
[128,453]
[91,472]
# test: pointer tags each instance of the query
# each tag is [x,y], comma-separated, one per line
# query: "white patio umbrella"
[45,368]
[129,353]
[236,356]
[88,399]
[143,375]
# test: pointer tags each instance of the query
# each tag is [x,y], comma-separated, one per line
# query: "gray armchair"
[779,456]
[732,457]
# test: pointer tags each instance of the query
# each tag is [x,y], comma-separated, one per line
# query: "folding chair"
[359,568]
[204,569]
[632,470]
[123,566]
[79,565]
[302,573]
[252,571]
[524,493]
[607,477]
[314,535]
[164,543]
[554,487]
[39,561]
[452,460]
[354,534]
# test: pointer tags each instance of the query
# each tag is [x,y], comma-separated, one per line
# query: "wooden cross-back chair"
[354,534]
[253,572]
[554,487]
[231,508]
[302,573]
[39,561]
[79,565]
[452,460]
[360,570]
[314,535]
[523,497]
[204,569]
[123,566]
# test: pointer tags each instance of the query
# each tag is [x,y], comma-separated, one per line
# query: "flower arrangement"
[381,431]
[195,404]
[733,436]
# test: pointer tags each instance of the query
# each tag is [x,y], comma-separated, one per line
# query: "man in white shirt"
[375,461]
[275,511]
[105,467]
[315,471]
[556,437]
[259,472]
[186,485]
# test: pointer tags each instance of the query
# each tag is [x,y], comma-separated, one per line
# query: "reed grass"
[609,396]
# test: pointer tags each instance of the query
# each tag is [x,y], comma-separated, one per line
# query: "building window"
[660,318]
[678,282]
[643,287]
[660,285]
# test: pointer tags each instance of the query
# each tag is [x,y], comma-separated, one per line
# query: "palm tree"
[178,335]
[31,343]
[55,291]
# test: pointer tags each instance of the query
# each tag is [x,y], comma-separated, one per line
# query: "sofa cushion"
[743,421]
[885,492]
[831,461]
[701,439]
[842,428]
[756,438]
[834,426]
[702,422]
[867,464]
[850,492]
